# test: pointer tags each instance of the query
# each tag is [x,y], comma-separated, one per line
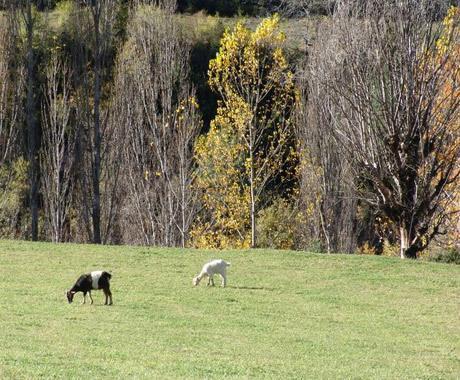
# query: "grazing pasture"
[282,315]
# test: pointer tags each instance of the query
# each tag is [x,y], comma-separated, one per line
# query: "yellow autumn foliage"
[447,55]
[219,155]
[242,147]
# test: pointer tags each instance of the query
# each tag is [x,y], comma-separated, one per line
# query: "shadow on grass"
[250,288]
[100,305]
[89,305]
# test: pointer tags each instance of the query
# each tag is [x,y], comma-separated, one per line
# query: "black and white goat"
[92,281]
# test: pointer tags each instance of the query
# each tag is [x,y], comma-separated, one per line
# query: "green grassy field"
[283,315]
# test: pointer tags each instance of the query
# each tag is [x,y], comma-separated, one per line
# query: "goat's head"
[70,295]
[196,280]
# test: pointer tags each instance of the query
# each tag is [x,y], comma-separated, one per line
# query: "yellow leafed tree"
[447,56]
[251,138]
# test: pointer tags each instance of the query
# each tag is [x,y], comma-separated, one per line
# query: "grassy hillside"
[283,315]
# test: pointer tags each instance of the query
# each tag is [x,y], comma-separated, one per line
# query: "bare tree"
[22,10]
[326,196]
[303,8]
[11,87]
[58,148]
[392,116]
[92,54]
[103,16]
[119,120]
[11,96]
[162,127]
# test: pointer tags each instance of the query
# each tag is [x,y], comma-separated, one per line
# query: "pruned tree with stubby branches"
[392,115]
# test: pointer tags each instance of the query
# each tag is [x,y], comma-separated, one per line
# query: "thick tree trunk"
[407,250]
[323,226]
[404,241]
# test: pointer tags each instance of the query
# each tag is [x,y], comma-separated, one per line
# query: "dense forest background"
[321,125]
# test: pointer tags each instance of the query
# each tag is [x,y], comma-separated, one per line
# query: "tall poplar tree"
[252,129]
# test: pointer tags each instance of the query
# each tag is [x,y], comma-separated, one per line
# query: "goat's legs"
[210,280]
[224,280]
[91,298]
[84,298]
[108,295]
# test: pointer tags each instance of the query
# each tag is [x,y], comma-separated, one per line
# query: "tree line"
[116,126]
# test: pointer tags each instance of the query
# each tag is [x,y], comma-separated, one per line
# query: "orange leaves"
[447,57]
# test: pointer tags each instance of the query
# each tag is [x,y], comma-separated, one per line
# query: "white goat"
[210,269]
